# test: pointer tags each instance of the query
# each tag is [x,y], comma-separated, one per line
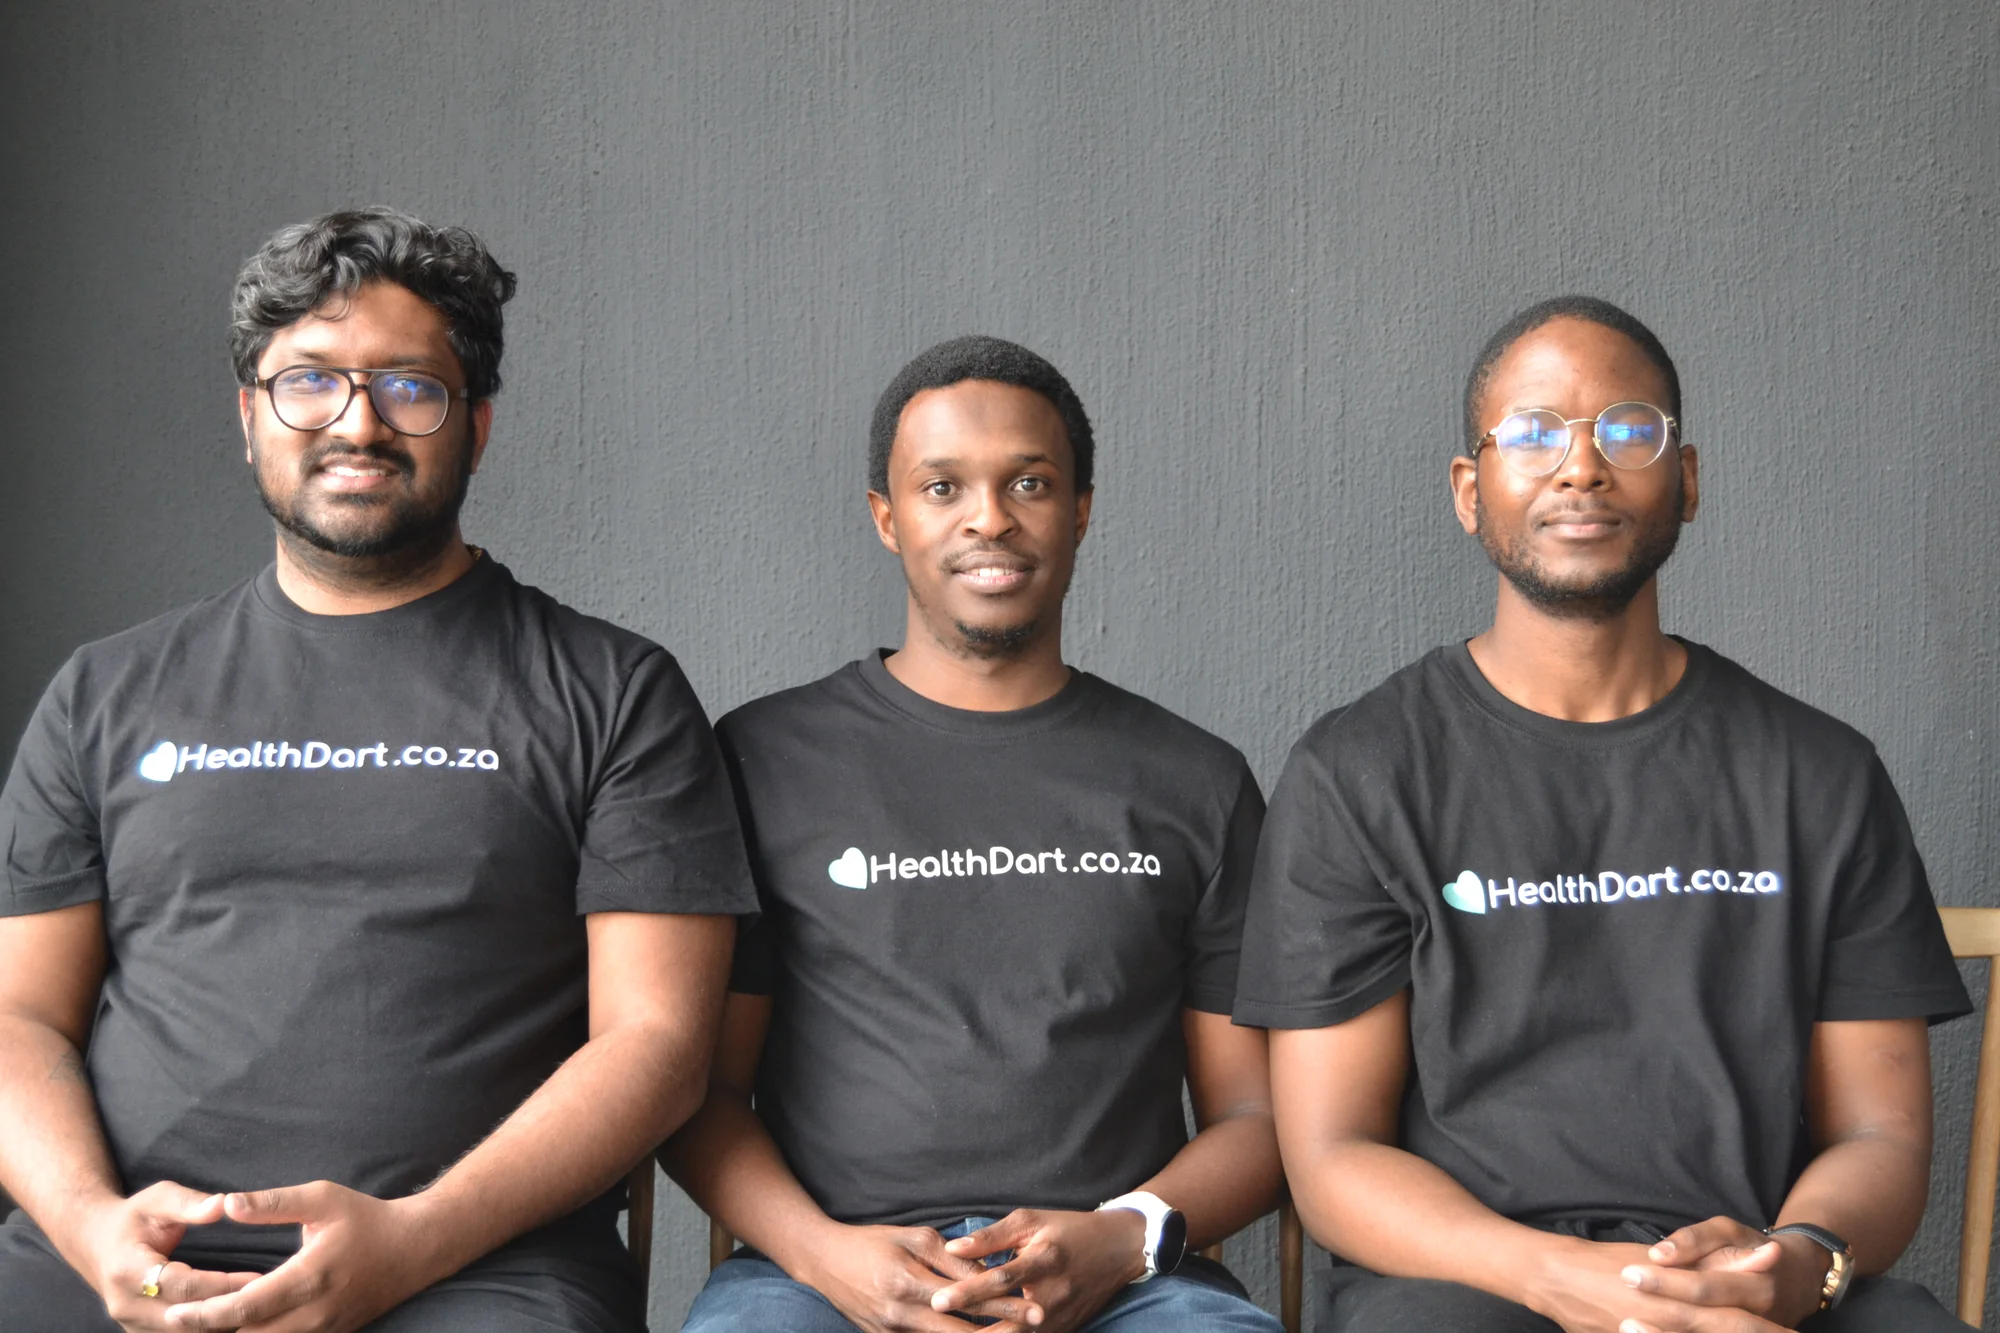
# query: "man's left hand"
[358,1258]
[1723,1262]
[1067,1265]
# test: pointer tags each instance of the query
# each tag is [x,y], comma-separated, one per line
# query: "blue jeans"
[750,1294]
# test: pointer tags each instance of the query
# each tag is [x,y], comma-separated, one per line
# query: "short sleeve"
[754,970]
[48,822]
[1323,939]
[1886,954]
[661,833]
[1215,933]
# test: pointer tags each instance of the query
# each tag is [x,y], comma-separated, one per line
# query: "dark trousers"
[1357,1301]
[506,1292]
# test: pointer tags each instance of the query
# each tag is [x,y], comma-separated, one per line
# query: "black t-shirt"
[980,931]
[344,862]
[1617,935]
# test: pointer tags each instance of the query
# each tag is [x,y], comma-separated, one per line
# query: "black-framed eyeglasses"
[409,402]
[1534,442]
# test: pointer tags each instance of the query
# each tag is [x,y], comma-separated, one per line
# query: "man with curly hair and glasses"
[360,926]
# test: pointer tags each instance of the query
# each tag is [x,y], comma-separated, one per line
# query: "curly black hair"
[303,265]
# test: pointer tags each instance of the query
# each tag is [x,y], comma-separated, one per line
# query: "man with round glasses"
[360,926]
[1597,971]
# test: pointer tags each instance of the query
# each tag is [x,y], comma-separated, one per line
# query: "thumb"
[1009,1233]
[288,1203]
[166,1210]
[946,1262]
[169,1201]
[1745,1258]
[188,1207]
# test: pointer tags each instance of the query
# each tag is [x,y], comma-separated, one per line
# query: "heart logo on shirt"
[850,871]
[159,762]
[1467,893]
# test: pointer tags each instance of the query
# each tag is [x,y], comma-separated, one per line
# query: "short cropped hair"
[303,266]
[1587,308]
[976,357]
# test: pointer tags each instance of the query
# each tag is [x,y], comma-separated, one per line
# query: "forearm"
[1868,1109]
[577,1135]
[53,1157]
[727,1162]
[1224,1179]
[1394,1213]
[1869,1191]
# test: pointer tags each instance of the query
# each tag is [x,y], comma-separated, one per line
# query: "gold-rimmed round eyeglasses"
[1534,441]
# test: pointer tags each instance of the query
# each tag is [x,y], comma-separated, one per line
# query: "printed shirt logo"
[158,765]
[1470,893]
[855,869]
[1467,893]
[850,871]
[166,760]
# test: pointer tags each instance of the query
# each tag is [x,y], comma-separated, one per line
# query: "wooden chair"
[1974,932]
[1291,1259]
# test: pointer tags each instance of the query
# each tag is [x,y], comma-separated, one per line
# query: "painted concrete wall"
[1262,239]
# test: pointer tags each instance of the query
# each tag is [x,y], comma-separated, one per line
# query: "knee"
[1886,1305]
[754,1295]
[39,1293]
[1421,1305]
[1204,1301]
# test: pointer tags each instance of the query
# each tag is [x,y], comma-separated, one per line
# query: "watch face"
[1167,1255]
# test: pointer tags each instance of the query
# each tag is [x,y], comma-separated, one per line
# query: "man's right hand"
[1582,1285]
[882,1279]
[118,1243]
[1725,1262]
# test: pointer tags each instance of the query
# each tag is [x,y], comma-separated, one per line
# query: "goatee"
[989,641]
[1597,599]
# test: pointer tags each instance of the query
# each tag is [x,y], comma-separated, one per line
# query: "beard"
[995,641]
[961,639]
[405,529]
[1598,598]
[965,639]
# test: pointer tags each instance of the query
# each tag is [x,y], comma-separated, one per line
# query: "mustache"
[973,556]
[315,459]
[1570,509]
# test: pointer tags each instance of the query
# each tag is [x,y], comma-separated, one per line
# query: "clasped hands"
[1717,1276]
[1065,1266]
[358,1257]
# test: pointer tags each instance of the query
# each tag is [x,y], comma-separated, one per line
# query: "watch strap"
[1840,1265]
[1154,1210]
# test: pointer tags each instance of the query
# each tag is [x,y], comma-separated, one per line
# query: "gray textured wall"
[1262,238]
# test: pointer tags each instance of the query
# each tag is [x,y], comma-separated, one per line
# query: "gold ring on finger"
[151,1286]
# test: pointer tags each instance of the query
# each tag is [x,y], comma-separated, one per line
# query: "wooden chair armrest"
[720,1244]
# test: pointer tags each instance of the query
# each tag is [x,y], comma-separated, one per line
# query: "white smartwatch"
[1166,1231]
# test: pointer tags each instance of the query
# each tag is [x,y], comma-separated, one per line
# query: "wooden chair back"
[1974,932]
[1291,1260]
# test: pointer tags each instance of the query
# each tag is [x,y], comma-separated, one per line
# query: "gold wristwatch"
[1840,1267]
